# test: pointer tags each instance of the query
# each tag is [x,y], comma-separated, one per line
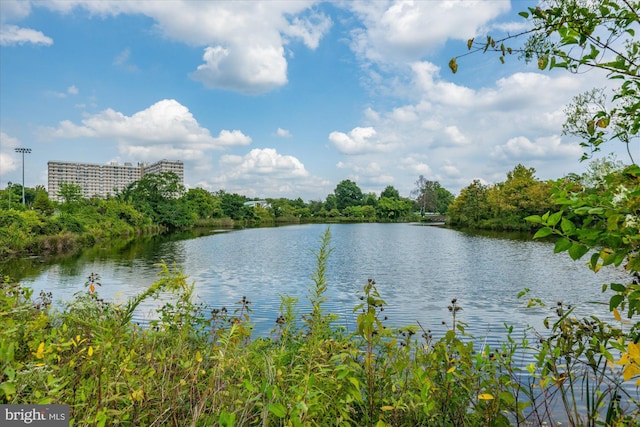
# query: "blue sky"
[279,99]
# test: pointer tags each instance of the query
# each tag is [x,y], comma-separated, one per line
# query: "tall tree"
[157,196]
[71,194]
[470,207]
[431,196]
[348,194]
[390,192]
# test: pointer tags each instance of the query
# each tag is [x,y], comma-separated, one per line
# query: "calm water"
[418,269]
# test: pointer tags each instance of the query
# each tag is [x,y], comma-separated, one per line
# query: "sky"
[276,99]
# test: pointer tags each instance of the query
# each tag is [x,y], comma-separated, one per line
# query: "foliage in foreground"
[195,367]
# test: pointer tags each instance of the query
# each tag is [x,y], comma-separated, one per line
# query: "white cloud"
[8,162]
[12,10]
[407,30]
[550,147]
[232,138]
[167,129]
[263,172]
[122,60]
[361,140]
[253,69]
[416,167]
[72,90]
[244,41]
[450,171]
[455,136]
[265,161]
[309,29]
[12,35]
[283,133]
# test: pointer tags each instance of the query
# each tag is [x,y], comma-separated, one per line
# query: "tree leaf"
[568,227]
[543,232]
[534,218]
[615,301]
[577,250]
[562,245]
[453,65]
[554,218]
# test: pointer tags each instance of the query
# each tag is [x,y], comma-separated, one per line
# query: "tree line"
[159,203]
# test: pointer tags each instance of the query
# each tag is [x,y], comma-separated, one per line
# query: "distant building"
[104,180]
[260,203]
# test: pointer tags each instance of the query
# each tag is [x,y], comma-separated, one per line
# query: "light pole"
[23,150]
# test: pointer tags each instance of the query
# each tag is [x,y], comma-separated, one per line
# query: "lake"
[418,270]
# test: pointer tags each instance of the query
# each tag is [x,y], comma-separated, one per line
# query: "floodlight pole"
[23,150]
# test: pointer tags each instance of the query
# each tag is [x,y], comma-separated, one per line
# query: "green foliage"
[579,35]
[71,195]
[390,192]
[503,205]
[471,206]
[431,196]
[158,197]
[347,194]
[393,209]
[605,219]
[203,203]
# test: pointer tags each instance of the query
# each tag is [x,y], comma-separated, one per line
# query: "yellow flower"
[40,351]
[631,362]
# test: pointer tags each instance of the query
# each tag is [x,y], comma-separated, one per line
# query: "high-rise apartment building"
[105,180]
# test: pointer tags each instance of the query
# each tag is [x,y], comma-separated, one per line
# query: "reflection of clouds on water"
[418,271]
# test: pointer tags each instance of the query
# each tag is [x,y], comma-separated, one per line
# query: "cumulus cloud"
[416,166]
[12,35]
[265,161]
[254,69]
[263,172]
[8,161]
[550,147]
[165,129]
[243,41]
[455,136]
[407,30]
[361,140]
[283,133]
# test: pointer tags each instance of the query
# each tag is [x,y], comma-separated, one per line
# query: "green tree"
[431,196]
[348,194]
[471,206]
[331,202]
[159,197]
[370,199]
[202,202]
[393,209]
[232,205]
[390,192]
[71,195]
[42,203]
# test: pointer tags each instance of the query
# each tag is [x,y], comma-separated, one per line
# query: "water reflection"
[419,269]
